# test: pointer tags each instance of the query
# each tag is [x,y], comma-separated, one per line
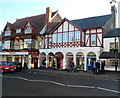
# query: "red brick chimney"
[48,17]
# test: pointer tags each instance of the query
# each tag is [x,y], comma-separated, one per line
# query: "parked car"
[12,66]
[4,66]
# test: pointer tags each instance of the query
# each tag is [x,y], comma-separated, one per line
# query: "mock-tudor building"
[82,40]
[23,39]
[49,41]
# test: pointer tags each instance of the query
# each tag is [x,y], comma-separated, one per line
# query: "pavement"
[108,75]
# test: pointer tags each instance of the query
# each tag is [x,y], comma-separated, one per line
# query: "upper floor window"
[71,36]
[8,33]
[65,37]
[54,39]
[18,31]
[7,44]
[27,43]
[93,40]
[28,30]
[77,36]
[59,37]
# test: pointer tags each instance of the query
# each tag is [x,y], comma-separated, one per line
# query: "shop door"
[35,62]
[90,61]
[58,62]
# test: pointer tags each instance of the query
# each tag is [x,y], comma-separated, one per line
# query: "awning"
[109,55]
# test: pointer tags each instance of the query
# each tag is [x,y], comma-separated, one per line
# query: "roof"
[105,55]
[113,33]
[37,21]
[92,22]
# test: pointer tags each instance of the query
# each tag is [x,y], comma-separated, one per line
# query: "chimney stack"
[48,17]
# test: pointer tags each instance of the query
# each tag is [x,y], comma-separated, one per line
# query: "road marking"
[79,86]
[108,90]
[61,84]
[38,81]
[57,83]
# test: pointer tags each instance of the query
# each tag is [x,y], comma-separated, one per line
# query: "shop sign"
[13,53]
[5,53]
[19,53]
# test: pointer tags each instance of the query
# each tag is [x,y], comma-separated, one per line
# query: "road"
[44,84]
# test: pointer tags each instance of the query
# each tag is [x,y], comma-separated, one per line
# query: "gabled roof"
[10,25]
[113,33]
[58,24]
[92,22]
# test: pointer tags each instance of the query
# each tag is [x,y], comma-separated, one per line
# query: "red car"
[5,67]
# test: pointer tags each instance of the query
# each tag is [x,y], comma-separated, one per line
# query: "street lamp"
[113,9]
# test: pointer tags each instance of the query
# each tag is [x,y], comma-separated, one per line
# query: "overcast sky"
[10,10]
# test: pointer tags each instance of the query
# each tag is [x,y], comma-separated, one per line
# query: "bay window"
[27,43]
[7,44]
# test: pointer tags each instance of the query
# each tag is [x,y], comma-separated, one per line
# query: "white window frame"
[7,32]
[18,31]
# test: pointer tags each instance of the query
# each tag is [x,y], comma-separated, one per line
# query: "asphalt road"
[44,84]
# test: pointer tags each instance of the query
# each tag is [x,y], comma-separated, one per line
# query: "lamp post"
[113,9]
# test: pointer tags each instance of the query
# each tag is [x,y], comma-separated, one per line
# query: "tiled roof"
[113,33]
[37,21]
[92,22]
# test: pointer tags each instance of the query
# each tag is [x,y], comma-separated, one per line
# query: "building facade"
[22,40]
[49,41]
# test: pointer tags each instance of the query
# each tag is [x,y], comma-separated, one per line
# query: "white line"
[38,81]
[108,90]
[57,83]
[23,78]
[80,86]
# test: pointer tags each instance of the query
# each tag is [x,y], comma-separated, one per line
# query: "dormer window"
[28,30]
[7,32]
[18,31]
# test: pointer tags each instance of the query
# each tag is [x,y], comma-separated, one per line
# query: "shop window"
[8,33]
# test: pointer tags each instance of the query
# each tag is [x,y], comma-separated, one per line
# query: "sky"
[10,10]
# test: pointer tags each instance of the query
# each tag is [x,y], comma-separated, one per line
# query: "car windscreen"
[5,63]
[11,63]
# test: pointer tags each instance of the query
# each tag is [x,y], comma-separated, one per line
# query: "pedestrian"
[98,67]
[102,67]
[94,67]
[25,66]
[71,66]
